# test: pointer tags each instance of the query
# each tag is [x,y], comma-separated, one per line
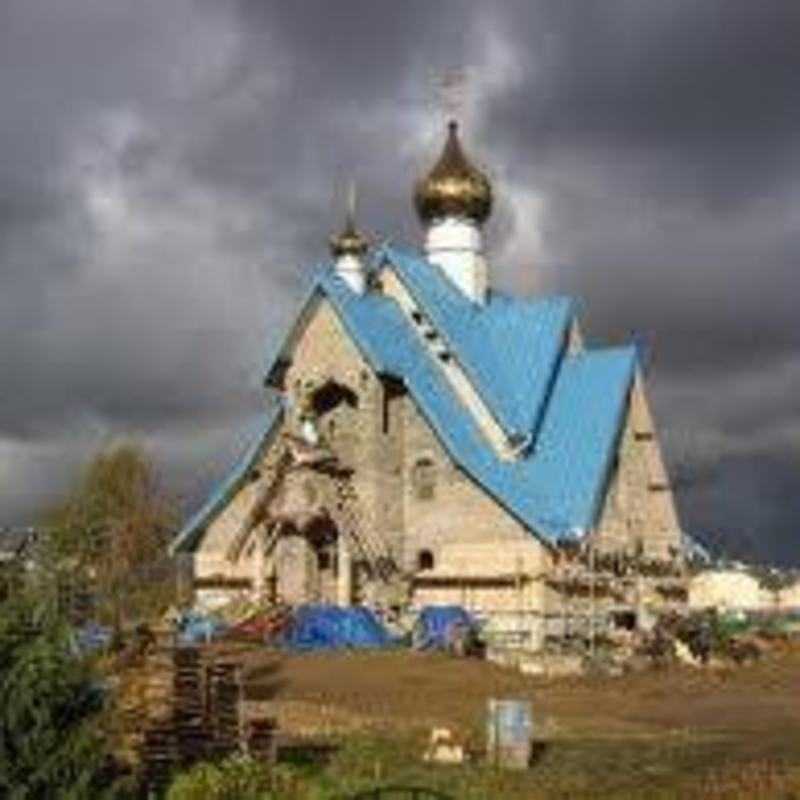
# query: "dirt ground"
[594,734]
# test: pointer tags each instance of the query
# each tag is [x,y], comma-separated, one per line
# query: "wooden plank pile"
[192,711]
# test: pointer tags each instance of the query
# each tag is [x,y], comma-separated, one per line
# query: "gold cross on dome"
[449,91]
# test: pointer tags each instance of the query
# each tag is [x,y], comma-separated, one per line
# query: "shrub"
[236,778]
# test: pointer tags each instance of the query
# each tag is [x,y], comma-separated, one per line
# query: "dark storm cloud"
[708,90]
[171,171]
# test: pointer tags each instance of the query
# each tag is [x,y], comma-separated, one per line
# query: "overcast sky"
[170,171]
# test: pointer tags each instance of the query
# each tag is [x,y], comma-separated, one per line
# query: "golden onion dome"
[454,187]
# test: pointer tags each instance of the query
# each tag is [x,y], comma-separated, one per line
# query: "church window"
[424,479]
[330,396]
[424,560]
[392,391]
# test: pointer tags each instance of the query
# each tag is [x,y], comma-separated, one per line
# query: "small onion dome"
[453,188]
[349,242]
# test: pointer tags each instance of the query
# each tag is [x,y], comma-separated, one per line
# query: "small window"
[392,391]
[324,560]
[424,560]
[424,479]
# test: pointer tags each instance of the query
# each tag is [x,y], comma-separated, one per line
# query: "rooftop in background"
[15,542]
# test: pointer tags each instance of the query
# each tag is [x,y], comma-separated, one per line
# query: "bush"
[234,779]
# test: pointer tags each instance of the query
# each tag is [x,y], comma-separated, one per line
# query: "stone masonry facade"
[443,536]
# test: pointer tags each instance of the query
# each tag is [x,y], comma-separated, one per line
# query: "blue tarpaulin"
[326,627]
[92,637]
[436,626]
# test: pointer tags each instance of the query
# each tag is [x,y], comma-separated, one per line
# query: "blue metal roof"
[191,532]
[514,351]
[508,347]
[558,486]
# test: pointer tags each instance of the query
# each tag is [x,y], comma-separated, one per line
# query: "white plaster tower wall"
[350,268]
[456,245]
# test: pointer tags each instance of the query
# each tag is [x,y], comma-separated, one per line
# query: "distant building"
[789,597]
[17,555]
[430,438]
[728,590]
[17,545]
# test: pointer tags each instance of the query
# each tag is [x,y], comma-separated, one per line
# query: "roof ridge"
[504,370]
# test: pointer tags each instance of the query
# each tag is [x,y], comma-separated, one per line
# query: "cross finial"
[350,207]
[449,88]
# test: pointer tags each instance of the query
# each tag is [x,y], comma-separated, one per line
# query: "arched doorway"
[323,541]
[307,563]
[291,564]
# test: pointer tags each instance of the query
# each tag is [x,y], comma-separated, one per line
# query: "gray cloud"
[169,174]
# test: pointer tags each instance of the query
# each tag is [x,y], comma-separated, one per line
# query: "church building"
[428,438]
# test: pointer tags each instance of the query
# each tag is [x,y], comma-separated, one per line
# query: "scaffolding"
[599,590]
[590,592]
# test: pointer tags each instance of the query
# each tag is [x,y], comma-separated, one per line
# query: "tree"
[112,533]
[50,743]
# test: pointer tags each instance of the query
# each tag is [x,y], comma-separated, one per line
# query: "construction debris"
[190,708]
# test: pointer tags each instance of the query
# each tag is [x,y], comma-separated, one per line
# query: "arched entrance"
[308,566]
[323,540]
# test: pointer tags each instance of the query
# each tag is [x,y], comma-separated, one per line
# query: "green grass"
[676,767]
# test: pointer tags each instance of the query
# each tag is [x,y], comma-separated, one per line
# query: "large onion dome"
[454,187]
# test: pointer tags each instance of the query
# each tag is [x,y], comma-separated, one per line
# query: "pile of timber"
[191,705]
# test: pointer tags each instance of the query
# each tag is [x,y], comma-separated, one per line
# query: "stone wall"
[639,505]
[456,510]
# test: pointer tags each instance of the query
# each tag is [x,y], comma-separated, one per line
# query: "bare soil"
[596,736]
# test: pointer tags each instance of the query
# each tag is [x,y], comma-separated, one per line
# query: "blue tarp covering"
[92,637]
[325,627]
[436,624]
